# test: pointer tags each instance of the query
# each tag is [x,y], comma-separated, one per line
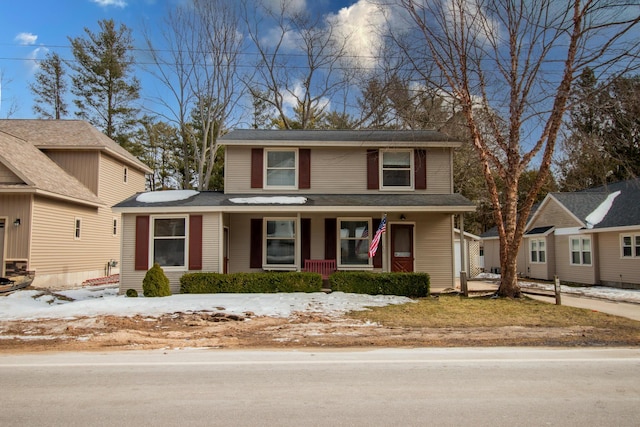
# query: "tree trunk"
[509,286]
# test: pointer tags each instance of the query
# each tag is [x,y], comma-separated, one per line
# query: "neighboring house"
[293,196]
[58,181]
[589,237]
[473,260]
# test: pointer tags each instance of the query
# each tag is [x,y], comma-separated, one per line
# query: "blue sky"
[31,28]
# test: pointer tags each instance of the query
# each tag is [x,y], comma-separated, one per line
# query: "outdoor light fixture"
[402,217]
[16,222]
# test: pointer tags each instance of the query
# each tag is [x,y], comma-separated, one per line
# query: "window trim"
[412,170]
[296,231]
[339,264]
[581,251]
[265,169]
[152,229]
[537,240]
[635,245]
[77,228]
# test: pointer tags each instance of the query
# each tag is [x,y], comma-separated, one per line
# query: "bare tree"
[518,60]
[10,107]
[49,88]
[198,63]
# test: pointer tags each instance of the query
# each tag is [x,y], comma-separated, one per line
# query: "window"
[397,168]
[125,175]
[280,242]
[580,248]
[280,168]
[354,241]
[630,245]
[169,241]
[538,251]
[78,228]
[114,230]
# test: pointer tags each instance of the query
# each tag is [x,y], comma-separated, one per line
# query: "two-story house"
[293,196]
[58,181]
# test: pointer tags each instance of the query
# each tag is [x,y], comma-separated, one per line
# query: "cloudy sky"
[32,28]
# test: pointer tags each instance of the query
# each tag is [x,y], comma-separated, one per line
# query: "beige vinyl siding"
[83,165]
[336,171]
[56,251]
[575,273]
[554,214]
[8,177]
[614,269]
[112,188]
[434,248]
[16,239]
[491,254]
[539,270]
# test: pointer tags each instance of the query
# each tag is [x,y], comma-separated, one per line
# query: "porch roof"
[220,202]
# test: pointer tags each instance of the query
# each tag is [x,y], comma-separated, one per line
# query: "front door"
[402,248]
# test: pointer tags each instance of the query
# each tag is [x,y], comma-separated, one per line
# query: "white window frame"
[152,239]
[77,228]
[265,169]
[411,185]
[339,238]
[538,251]
[265,238]
[581,239]
[634,247]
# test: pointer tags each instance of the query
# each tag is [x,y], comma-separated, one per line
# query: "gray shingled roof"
[220,200]
[368,138]
[580,204]
[63,134]
[625,210]
[39,172]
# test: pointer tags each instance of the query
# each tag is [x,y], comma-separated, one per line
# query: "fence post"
[556,286]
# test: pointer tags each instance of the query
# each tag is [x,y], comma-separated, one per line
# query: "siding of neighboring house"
[575,273]
[614,269]
[491,248]
[112,188]
[83,165]
[16,239]
[552,213]
[336,171]
[539,270]
[8,177]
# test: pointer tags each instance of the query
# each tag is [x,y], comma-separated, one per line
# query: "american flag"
[375,242]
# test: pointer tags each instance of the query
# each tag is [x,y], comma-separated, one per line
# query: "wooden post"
[556,286]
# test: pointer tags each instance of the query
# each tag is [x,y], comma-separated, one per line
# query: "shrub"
[270,282]
[132,293]
[155,283]
[413,285]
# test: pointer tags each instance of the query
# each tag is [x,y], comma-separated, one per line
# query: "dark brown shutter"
[305,236]
[330,229]
[255,252]
[257,167]
[142,243]
[195,242]
[373,180]
[420,165]
[304,168]
[377,258]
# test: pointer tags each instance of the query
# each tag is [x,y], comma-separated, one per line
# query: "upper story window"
[78,228]
[354,242]
[538,251]
[580,248]
[281,168]
[630,245]
[169,238]
[396,169]
[280,242]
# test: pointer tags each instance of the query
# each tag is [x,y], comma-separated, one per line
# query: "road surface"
[393,387]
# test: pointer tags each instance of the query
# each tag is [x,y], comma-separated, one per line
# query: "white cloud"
[107,3]
[34,56]
[292,95]
[26,39]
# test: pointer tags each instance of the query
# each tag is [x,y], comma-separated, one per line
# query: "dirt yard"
[218,330]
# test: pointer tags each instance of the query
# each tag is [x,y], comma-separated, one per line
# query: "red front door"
[402,248]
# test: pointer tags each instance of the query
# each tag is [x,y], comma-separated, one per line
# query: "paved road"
[479,387]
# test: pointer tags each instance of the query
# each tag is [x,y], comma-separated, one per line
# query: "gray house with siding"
[589,237]
[293,197]
[58,181]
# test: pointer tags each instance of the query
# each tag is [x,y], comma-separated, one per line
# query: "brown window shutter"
[373,180]
[195,242]
[304,168]
[257,167]
[377,258]
[255,252]
[420,165]
[305,236]
[330,230]
[142,243]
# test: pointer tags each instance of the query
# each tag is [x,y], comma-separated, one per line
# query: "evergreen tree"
[49,88]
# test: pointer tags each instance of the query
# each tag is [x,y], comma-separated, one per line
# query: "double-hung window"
[538,251]
[280,168]
[280,242]
[169,241]
[630,245]
[396,169]
[354,239]
[580,248]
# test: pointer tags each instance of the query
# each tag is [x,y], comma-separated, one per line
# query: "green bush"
[270,282]
[132,293]
[413,285]
[155,283]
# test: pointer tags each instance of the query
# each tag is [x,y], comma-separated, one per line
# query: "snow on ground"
[91,302]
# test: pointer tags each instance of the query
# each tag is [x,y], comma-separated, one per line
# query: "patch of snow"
[165,196]
[596,217]
[275,200]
